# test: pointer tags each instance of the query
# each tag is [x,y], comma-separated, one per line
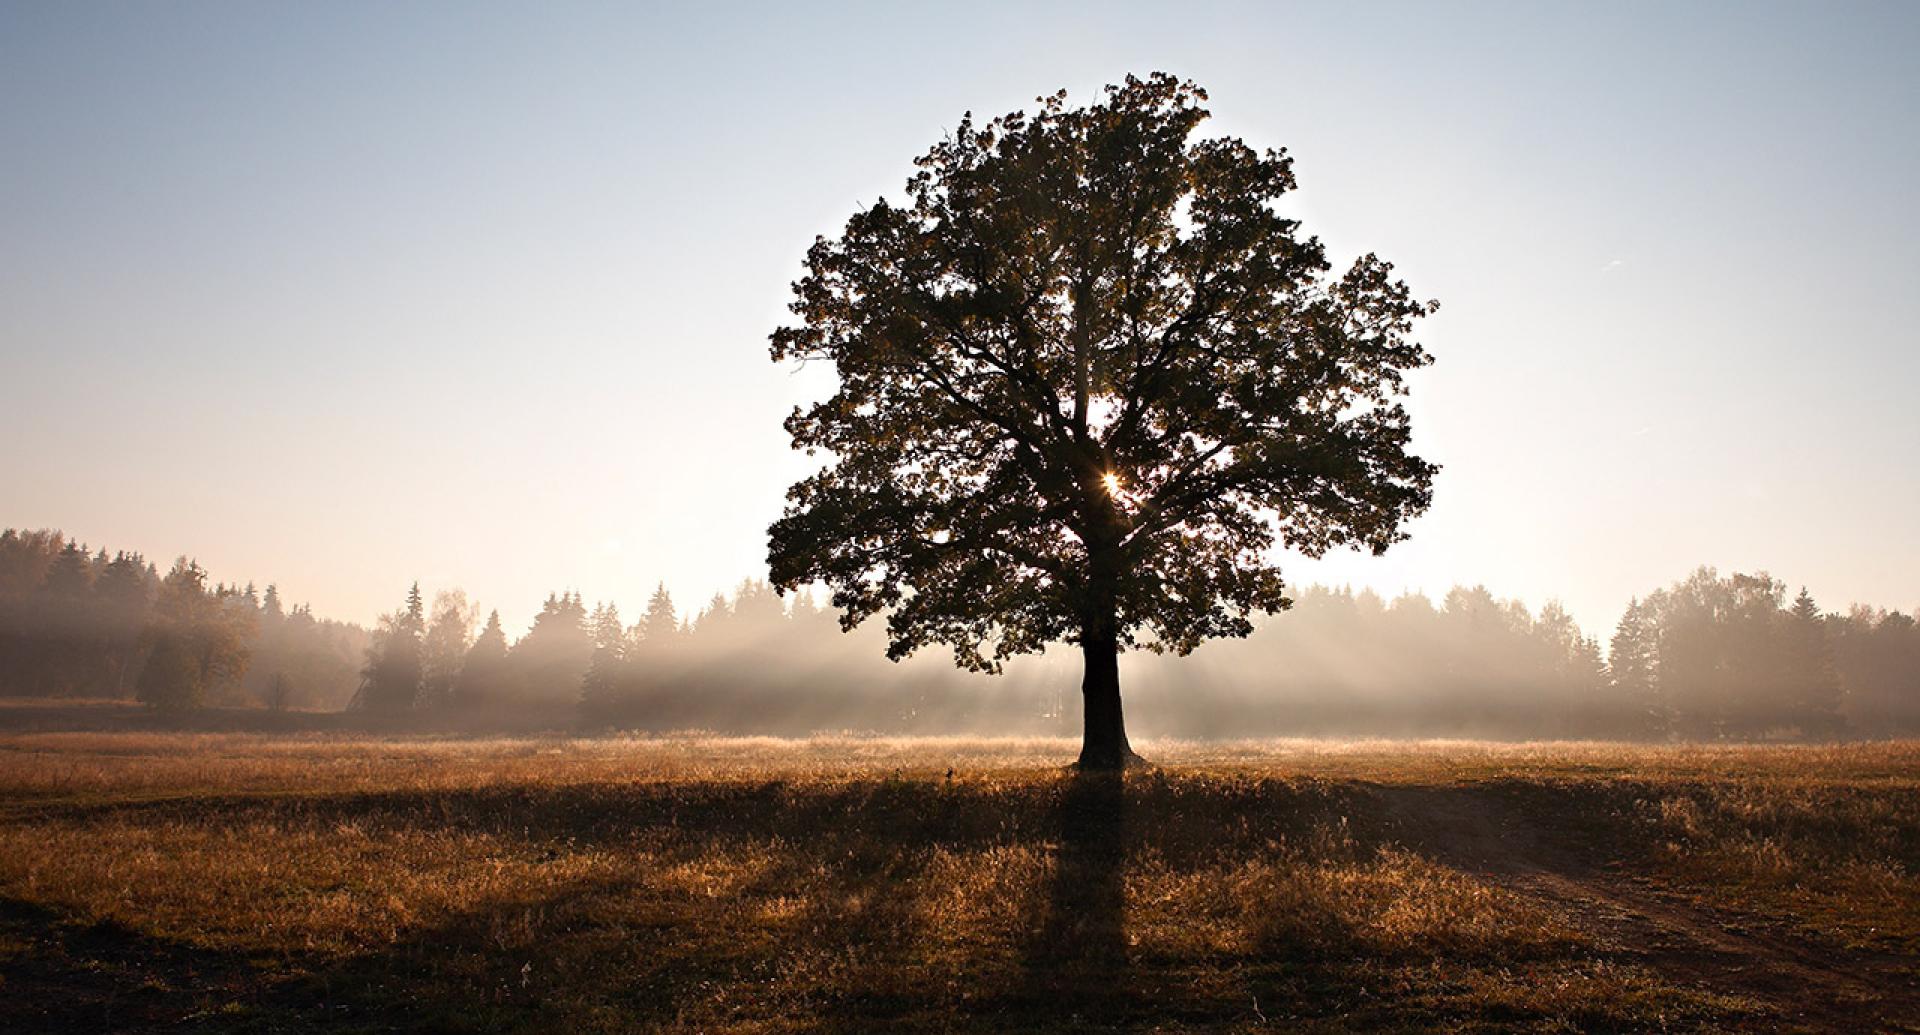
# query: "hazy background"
[341,295]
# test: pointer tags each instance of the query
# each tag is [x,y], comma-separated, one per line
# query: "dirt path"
[1812,987]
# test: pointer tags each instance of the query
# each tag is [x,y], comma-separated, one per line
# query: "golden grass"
[244,882]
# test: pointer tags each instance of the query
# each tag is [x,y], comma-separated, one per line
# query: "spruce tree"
[391,676]
[1631,666]
[607,669]
[483,672]
[548,664]
[659,628]
[1816,682]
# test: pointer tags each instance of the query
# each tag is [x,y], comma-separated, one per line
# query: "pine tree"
[608,634]
[607,670]
[548,664]
[659,628]
[123,596]
[483,673]
[391,676]
[1816,682]
[1632,668]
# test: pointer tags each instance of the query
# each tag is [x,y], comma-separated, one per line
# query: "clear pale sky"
[342,295]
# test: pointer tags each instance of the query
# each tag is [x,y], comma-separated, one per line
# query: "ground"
[292,882]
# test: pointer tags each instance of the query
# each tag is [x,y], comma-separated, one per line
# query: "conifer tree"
[1815,680]
[659,628]
[391,676]
[607,669]
[483,672]
[550,661]
[1631,666]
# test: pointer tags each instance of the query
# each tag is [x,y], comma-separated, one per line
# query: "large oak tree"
[1090,377]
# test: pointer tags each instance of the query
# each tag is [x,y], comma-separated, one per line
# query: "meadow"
[246,882]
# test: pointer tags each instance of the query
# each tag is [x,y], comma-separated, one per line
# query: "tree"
[1089,377]
[606,669]
[549,662]
[279,692]
[483,673]
[1814,681]
[1630,666]
[123,595]
[443,648]
[392,674]
[194,642]
[660,626]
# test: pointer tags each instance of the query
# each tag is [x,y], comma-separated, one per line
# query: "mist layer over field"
[1710,657]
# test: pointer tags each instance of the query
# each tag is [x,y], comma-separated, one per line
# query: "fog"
[1711,656]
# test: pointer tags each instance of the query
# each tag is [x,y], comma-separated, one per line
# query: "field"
[251,882]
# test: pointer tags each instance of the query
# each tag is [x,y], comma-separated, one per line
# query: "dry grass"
[238,882]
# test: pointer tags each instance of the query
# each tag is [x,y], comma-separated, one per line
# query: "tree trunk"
[1104,743]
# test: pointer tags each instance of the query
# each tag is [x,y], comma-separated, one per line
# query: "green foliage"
[1090,375]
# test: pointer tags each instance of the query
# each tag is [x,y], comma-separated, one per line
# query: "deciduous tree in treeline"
[443,648]
[1729,660]
[194,640]
[1878,655]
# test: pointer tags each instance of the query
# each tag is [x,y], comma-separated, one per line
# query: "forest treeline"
[81,624]
[1709,657]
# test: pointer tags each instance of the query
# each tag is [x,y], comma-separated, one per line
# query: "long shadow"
[63,975]
[1075,967]
[910,812]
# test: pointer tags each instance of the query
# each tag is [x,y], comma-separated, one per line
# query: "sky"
[344,295]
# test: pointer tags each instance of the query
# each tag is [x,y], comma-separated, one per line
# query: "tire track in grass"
[1816,988]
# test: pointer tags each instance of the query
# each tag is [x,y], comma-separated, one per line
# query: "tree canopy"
[1090,375]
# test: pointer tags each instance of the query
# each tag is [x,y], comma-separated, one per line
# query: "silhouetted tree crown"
[660,625]
[1089,376]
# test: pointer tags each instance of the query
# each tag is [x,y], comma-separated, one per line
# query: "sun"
[1112,481]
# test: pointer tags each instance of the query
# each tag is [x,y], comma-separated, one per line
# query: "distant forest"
[1710,657]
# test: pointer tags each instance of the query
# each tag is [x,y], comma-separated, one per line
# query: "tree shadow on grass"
[1075,967]
[63,975]
[818,918]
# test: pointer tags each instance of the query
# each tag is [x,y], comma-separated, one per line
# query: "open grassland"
[228,882]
